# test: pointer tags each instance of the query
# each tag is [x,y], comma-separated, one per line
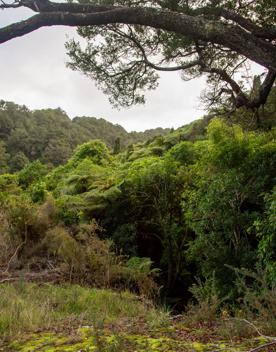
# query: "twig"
[254,327]
[7,279]
[13,256]
[259,348]
[174,317]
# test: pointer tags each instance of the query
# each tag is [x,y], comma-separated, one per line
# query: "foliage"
[258,297]
[32,235]
[230,180]
[3,158]
[50,136]
[124,55]
[8,184]
[266,232]
[178,212]
[95,150]
[31,173]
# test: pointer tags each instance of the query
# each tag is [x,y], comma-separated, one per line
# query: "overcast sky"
[33,73]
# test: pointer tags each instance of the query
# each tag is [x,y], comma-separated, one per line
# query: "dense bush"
[195,204]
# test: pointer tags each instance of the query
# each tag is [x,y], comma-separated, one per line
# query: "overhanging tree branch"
[218,12]
[228,35]
[239,97]
[137,40]
[151,64]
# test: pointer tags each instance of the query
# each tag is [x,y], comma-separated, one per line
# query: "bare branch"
[262,347]
[240,98]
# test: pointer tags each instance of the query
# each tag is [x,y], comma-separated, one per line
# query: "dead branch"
[13,256]
[254,327]
[259,348]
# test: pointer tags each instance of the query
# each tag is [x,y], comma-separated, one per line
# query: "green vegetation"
[50,136]
[100,229]
[186,220]
[25,307]
[97,320]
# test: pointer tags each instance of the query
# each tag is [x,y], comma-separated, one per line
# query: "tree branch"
[13,5]
[262,347]
[264,89]
[266,33]
[48,6]
[151,64]
[240,98]
[230,36]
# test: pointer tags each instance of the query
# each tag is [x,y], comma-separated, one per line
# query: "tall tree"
[127,42]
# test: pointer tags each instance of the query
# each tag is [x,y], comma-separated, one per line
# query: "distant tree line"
[50,136]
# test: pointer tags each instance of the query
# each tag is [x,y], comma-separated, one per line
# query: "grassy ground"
[25,307]
[72,318]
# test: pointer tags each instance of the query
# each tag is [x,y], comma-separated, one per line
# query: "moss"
[90,339]
[139,343]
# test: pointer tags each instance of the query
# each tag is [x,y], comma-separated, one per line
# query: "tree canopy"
[128,42]
[50,136]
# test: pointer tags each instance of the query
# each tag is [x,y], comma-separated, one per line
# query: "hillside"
[50,136]
[186,220]
[147,197]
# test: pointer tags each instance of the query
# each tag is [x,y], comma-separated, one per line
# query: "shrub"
[32,172]
[94,150]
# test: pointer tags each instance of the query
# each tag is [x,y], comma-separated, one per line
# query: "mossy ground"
[104,339]
[54,318]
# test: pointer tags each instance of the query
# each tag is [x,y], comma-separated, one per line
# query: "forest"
[50,136]
[155,241]
[185,220]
